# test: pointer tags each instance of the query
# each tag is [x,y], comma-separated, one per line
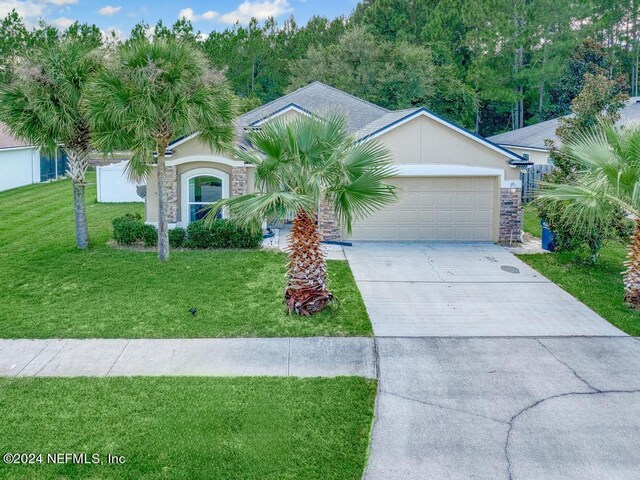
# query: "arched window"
[203,190]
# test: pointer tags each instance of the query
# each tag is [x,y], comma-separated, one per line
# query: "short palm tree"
[153,91]
[44,105]
[608,177]
[299,164]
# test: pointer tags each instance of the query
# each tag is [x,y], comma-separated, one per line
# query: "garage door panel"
[435,208]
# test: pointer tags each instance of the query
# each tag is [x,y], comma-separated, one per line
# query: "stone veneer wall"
[510,216]
[172,194]
[327,223]
[238,181]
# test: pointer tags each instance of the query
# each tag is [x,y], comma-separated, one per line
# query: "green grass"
[189,428]
[531,222]
[50,289]
[598,286]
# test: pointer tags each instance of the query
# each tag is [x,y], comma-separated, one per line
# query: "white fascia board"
[182,140]
[277,113]
[442,121]
[421,170]
[523,147]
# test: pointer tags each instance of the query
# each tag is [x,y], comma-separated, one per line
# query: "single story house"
[530,142]
[453,184]
[23,164]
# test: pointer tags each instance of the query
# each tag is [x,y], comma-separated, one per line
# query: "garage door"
[435,208]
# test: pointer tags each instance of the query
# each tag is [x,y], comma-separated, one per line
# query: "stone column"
[510,215]
[327,223]
[238,181]
[172,194]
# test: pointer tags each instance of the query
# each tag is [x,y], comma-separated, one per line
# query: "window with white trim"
[203,190]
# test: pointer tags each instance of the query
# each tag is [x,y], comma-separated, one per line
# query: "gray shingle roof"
[383,121]
[535,135]
[320,99]
[7,140]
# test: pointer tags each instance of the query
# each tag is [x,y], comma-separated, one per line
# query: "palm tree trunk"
[306,292]
[76,168]
[632,274]
[80,212]
[163,200]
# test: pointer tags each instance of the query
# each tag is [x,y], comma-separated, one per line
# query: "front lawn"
[50,289]
[189,428]
[598,286]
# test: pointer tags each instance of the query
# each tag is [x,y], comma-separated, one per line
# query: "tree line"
[491,66]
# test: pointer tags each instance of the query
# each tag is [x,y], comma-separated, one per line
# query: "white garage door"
[435,208]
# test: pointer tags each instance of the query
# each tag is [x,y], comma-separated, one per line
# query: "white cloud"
[189,14]
[113,35]
[62,22]
[109,10]
[186,13]
[60,2]
[259,10]
[32,10]
[210,15]
[24,9]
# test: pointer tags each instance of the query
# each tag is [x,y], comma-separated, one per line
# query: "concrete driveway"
[487,370]
[440,289]
[507,408]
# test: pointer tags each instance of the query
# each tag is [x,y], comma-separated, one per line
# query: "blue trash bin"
[548,237]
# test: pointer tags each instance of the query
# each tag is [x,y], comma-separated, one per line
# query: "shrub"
[177,237]
[570,236]
[148,234]
[126,228]
[129,229]
[223,233]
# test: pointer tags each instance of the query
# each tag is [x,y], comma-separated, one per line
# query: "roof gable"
[319,99]
[395,119]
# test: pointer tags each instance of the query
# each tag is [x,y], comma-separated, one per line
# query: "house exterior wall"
[424,141]
[174,173]
[19,167]
[421,142]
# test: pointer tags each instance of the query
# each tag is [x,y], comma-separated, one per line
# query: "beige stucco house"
[453,185]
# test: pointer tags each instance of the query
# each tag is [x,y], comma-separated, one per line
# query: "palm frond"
[258,207]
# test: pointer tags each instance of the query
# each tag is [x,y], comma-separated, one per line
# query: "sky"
[206,15]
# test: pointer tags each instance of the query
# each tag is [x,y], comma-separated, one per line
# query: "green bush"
[223,233]
[126,229]
[570,236]
[177,237]
[130,229]
[148,235]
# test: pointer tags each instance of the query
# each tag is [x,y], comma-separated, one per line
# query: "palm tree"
[300,164]
[608,178]
[43,105]
[153,91]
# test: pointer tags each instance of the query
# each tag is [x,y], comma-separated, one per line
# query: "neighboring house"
[22,164]
[530,142]
[453,185]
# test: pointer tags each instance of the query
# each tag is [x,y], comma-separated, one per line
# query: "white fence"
[113,185]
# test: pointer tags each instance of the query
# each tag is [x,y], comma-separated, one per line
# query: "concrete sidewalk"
[300,357]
